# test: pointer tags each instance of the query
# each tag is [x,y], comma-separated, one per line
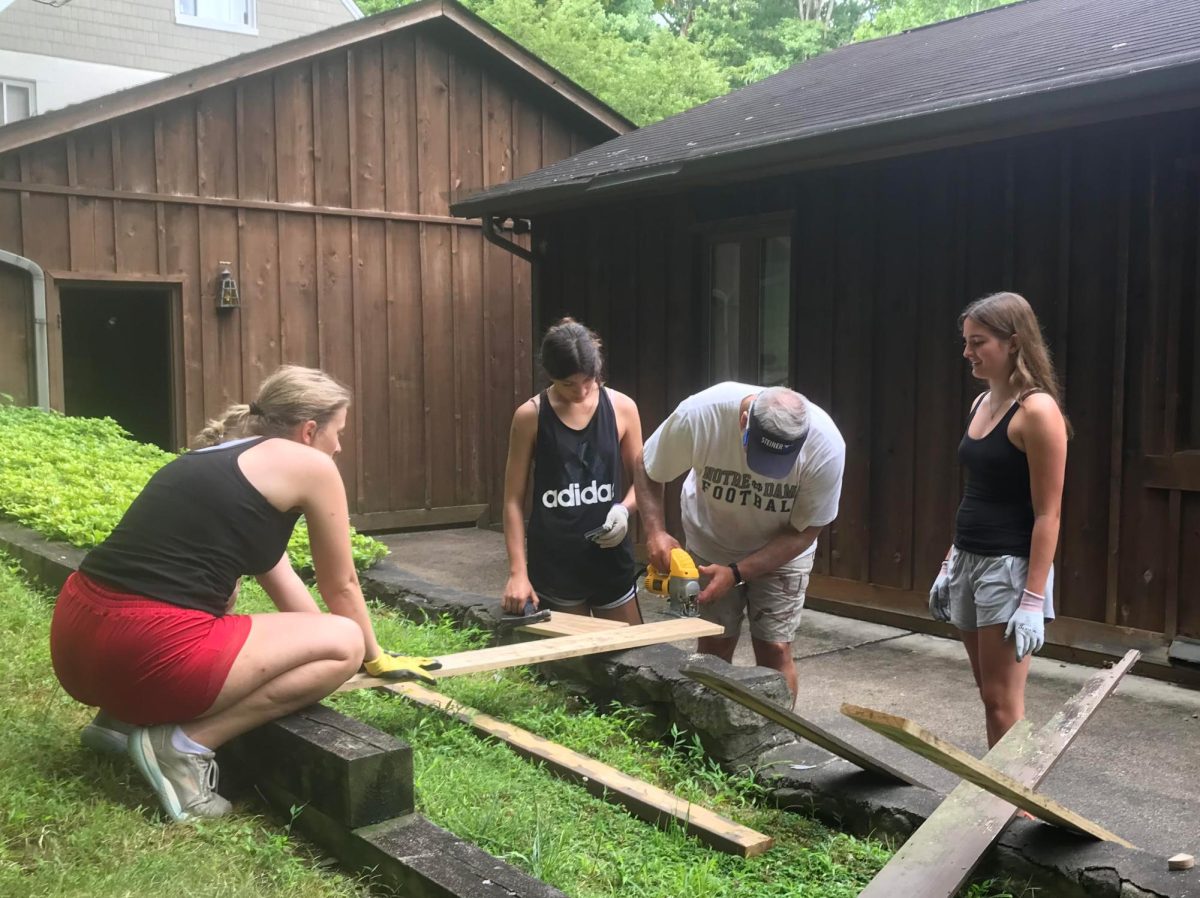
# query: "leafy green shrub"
[72,479]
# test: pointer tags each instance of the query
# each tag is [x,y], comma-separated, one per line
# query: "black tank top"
[995,516]
[577,476]
[195,528]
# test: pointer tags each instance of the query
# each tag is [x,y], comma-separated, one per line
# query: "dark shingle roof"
[1031,56]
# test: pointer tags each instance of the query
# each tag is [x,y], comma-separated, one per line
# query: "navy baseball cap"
[767,453]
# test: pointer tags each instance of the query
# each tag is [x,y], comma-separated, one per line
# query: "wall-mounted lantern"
[227,289]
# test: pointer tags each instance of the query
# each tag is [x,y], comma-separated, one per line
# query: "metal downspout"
[41,339]
[490,235]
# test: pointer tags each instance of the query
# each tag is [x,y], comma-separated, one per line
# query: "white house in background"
[57,52]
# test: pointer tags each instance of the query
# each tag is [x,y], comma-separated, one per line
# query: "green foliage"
[72,479]
[893,16]
[649,59]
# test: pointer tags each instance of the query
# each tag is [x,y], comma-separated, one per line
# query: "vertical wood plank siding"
[1098,227]
[426,321]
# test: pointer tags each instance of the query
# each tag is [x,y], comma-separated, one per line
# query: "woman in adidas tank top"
[997,581]
[580,438]
[145,629]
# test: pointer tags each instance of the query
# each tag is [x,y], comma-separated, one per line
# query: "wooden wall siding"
[325,185]
[1098,227]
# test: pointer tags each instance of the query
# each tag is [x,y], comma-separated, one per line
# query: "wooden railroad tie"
[938,858]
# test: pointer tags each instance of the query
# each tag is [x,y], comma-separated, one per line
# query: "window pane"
[187,7]
[724,274]
[16,103]
[774,334]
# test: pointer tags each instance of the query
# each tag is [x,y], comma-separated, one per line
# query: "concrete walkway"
[1132,769]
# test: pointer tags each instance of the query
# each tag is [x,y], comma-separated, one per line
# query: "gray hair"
[782,412]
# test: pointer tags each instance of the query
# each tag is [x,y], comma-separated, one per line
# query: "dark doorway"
[117,361]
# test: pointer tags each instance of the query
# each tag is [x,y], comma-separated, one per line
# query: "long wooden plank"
[938,858]
[797,724]
[641,799]
[562,624]
[556,649]
[945,754]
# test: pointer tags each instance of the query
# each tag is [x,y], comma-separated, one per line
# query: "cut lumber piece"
[945,754]
[643,800]
[556,649]
[562,624]
[797,724]
[938,858]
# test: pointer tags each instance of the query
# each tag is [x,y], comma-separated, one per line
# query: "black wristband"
[737,576]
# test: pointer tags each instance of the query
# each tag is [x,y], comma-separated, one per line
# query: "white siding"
[60,82]
[143,34]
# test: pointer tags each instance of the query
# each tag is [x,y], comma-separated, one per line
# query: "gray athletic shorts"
[773,602]
[986,589]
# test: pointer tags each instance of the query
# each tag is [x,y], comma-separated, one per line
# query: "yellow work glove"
[402,667]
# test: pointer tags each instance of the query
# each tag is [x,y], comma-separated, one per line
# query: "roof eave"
[1145,92]
[145,96]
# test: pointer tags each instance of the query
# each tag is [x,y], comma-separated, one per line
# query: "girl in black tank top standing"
[581,439]
[997,580]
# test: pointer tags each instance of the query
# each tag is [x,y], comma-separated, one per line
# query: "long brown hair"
[1009,315]
[288,397]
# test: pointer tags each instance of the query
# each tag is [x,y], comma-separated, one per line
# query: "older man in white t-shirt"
[764,476]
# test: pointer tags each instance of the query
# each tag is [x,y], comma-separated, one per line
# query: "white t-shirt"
[729,511]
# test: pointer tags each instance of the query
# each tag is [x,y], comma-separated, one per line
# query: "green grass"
[75,824]
[72,478]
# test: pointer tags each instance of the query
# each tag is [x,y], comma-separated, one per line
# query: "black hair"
[570,348]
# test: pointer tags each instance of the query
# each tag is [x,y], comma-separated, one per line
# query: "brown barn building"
[824,228]
[316,176]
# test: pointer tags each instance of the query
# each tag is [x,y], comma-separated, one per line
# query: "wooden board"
[945,754]
[797,724]
[562,624]
[518,655]
[641,799]
[938,858]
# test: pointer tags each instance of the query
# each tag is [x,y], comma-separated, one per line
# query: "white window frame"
[30,86]
[182,18]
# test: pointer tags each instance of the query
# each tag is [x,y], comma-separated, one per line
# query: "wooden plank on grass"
[797,724]
[945,754]
[938,858]
[563,624]
[556,649]
[641,799]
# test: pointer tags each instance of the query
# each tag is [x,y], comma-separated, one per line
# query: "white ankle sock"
[186,744]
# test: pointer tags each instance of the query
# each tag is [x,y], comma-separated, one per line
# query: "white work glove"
[616,525]
[1027,624]
[939,593]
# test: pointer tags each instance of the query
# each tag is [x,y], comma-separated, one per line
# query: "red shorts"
[143,661]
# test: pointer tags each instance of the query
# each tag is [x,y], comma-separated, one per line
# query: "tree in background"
[649,59]
[639,68]
[893,16]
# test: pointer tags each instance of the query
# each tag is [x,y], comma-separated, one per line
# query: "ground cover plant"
[72,823]
[71,479]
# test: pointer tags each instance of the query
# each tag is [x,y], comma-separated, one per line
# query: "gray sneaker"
[186,783]
[106,735]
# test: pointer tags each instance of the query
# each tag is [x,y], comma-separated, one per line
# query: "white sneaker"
[106,735]
[186,783]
